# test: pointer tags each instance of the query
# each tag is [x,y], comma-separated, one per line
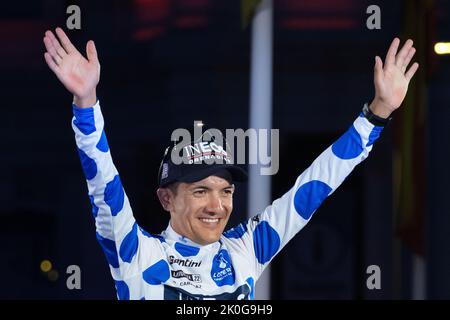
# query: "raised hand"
[79,75]
[392,79]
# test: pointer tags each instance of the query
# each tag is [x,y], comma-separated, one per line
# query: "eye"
[229,191]
[199,192]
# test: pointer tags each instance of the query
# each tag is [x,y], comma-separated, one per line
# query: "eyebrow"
[231,186]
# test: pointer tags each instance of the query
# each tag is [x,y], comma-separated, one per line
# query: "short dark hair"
[173,187]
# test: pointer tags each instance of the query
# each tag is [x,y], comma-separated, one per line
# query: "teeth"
[209,220]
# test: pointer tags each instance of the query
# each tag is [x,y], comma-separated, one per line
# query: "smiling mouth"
[210,220]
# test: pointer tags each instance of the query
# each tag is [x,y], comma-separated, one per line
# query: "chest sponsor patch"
[181,274]
[222,271]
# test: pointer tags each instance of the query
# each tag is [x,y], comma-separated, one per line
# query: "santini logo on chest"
[184,262]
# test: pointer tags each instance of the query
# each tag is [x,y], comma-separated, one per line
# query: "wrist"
[379,109]
[86,101]
[374,118]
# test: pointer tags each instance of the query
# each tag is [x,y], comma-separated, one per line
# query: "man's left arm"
[268,232]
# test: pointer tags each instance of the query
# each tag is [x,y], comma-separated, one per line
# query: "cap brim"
[237,173]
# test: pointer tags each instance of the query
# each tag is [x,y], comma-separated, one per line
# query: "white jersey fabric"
[169,266]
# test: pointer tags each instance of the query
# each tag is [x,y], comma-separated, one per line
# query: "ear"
[165,197]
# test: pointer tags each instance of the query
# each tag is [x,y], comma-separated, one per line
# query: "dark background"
[166,63]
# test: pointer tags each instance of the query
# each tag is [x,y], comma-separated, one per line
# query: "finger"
[378,70]
[52,65]
[401,56]
[68,46]
[408,58]
[390,56]
[48,43]
[91,51]
[411,71]
[60,50]
[52,51]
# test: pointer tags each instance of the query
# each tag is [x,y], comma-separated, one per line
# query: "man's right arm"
[117,231]
[113,216]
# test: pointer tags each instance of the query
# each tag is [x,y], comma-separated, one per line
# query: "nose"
[215,204]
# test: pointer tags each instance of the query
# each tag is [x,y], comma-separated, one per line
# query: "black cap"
[196,161]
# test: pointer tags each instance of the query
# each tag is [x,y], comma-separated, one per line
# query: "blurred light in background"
[319,14]
[154,18]
[53,275]
[46,266]
[442,48]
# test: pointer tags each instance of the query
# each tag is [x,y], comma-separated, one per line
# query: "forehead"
[211,181]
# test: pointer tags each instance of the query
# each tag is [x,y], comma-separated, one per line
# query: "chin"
[208,235]
[210,239]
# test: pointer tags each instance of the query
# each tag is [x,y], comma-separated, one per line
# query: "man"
[193,258]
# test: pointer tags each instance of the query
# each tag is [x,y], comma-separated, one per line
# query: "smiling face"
[200,210]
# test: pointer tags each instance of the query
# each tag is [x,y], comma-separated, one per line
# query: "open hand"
[79,75]
[392,79]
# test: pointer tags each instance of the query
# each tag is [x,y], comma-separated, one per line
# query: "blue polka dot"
[102,144]
[185,250]
[123,292]
[88,164]
[222,271]
[129,245]
[349,145]
[84,119]
[94,207]
[114,195]
[109,248]
[266,242]
[251,283]
[237,232]
[149,235]
[309,197]
[374,134]
[157,273]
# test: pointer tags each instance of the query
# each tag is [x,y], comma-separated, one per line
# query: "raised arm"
[266,234]
[117,231]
